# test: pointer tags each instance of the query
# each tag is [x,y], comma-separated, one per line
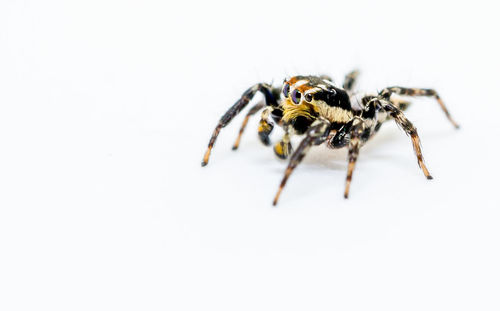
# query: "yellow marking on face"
[291,111]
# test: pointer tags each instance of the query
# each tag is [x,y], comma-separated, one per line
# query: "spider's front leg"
[315,135]
[357,129]
[247,96]
[404,91]
[250,113]
[353,134]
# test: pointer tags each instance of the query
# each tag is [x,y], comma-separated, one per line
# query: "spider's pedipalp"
[265,126]
[283,148]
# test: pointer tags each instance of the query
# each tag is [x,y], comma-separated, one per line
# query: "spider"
[320,111]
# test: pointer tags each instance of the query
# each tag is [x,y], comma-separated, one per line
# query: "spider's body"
[324,113]
[321,99]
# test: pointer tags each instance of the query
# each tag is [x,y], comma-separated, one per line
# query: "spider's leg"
[418,92]
[283,148]
[350,80]
[368,116]
[356,131]
[250,113]
[315,135]
[235,109]
[410,130]
[400,103]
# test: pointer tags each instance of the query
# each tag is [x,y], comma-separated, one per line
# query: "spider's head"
[311,96]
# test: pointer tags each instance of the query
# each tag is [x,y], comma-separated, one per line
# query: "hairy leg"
[350,80]
[387,92]
[410,130]
[250,113]
[357,129]
[315,135]
[236,109]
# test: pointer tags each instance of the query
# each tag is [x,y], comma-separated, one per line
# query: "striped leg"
[368,120]
[357,130]
[418,92]
[400,103]
[235,109]
[410,130]
[315,135]
[350,80]
[250,113]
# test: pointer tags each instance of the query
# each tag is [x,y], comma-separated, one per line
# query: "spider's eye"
[286,90]
[308,97]
[296,96]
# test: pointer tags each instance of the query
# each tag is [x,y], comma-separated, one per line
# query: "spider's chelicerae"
[322,112]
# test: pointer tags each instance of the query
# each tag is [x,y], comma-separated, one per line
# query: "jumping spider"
[324,113]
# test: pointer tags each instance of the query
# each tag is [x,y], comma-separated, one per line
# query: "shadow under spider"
[336,159]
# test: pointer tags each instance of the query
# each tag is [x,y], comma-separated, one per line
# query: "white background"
[106,108]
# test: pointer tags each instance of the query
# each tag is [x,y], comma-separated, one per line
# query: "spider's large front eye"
[286,90]
[296,97]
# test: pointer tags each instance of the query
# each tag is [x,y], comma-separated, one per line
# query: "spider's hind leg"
[386,93]
[410,130]
[400,103]
[350,80]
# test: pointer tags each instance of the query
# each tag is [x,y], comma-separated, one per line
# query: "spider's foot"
[204,162]
[346,192]
[237,142]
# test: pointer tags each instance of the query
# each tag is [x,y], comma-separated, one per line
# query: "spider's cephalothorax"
[309,98]
[322,112]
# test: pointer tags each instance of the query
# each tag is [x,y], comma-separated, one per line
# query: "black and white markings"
[322,112]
